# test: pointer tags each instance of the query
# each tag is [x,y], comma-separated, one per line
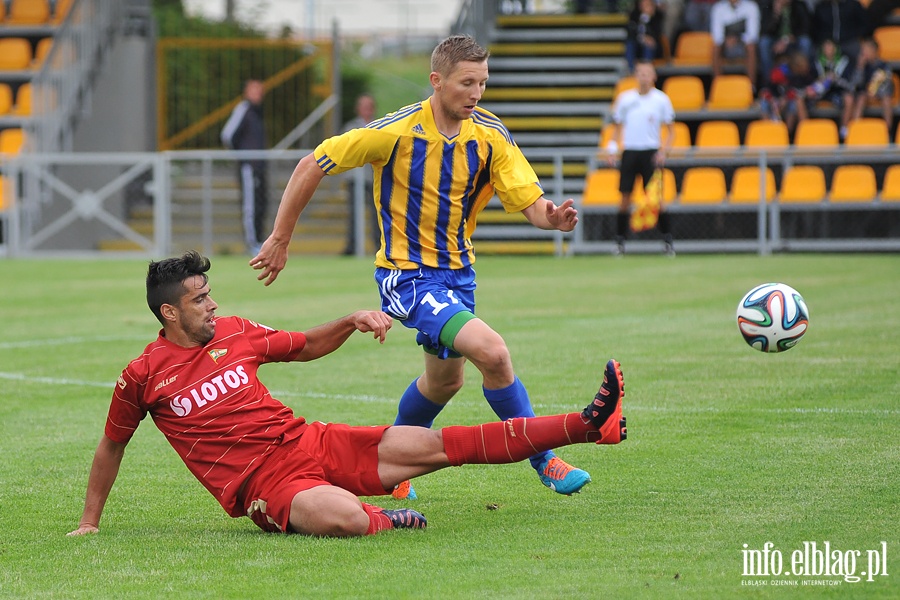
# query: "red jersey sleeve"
[274,345]
[125,410]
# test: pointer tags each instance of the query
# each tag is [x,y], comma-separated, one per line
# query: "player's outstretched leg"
[605,410]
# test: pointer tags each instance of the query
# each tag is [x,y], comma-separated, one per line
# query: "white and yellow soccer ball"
[772,317]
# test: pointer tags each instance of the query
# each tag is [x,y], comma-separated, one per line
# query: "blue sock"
[511,402]
[416,409]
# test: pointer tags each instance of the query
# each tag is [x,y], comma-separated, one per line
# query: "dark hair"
[454,50]
[165,279]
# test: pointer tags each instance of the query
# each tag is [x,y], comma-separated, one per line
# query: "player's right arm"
[104,471]
[273,254]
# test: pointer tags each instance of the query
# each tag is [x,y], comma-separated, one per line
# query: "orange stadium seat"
[681,137]
[766,134]
[703,185]
[601,188]
[2,10]
[803,183]
[61,10]
[626,83]
[685,91]
[730,92]
[867,132]
[745,185]
[41,51]
[28,12]
[853,183]
[693,48]
[3,192]
[15,54]
[23,101]
[717,134]
[888,38]
[816,133]
[6,98]
[890,189]
[11,141]
[669,187]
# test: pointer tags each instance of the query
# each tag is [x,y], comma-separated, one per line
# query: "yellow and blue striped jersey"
[428,188]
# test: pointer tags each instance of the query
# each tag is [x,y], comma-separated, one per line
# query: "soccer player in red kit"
[198,381]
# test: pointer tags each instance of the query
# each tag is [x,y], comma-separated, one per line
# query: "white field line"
[63,381]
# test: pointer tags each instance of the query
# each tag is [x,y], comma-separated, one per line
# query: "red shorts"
[326,454]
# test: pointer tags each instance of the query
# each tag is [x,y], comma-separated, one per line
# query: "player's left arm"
[327,338]
[544,214]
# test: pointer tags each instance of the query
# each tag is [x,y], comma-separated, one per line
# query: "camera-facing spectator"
[644,33]
[734,26]
[785,27]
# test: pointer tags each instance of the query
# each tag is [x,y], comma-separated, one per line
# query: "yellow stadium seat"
[816,134]
[15,54]
[61,10]
[766,134]
[681,137]
[730,92]
[717,134]
[11,141]
[28,12]
[867,131]
[626,83]
[4,193]
[890,189]
[602,188]
[853,183]
[669,191]
[703,185]
[745,185]
[41,51]
[6,98]
[888,38]
[685,91]
[693,48]
[23,101]
[803,183]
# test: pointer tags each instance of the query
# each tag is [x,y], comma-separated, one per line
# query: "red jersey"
[209,403]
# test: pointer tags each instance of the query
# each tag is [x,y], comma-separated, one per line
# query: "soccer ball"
[772,317]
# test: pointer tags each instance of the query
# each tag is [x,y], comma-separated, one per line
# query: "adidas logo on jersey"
[418,129]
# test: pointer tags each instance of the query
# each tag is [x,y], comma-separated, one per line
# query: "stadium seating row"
[772,135]
[33,12]
[727,92]
[800,184]
[696,47]
[11,140]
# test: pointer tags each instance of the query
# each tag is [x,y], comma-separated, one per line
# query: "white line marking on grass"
[368,398]
[69,340]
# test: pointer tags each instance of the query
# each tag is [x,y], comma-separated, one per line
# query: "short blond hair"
[454,50]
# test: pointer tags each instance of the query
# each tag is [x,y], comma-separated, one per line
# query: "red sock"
[515,439]
[378,521]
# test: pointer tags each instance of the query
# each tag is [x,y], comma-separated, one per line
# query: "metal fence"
[154,203]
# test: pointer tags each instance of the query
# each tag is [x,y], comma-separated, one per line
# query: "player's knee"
[493,357]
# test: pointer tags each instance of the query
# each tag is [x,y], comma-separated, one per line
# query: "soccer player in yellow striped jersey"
[437,163]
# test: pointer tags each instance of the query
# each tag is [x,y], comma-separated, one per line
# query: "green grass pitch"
[727,446]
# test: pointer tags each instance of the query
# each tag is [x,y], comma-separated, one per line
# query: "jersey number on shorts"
[438,306]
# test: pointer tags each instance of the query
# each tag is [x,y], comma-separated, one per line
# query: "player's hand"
[84,530]
[271,259]
[563,217]
[660,158]
[374,321]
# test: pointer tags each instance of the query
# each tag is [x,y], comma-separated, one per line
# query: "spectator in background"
[871,79]
[785,27]
[844,21]
[245,130]
[644,33]
[786,96]
[833,69]
[365,112]
[877,12]
[734,26]
[696,14]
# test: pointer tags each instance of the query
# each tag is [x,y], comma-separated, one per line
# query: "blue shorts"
[425,299]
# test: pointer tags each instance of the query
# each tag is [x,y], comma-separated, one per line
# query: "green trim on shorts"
[452,327]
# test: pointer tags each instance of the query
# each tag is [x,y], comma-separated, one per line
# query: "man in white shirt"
[638,115]
[734,26]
